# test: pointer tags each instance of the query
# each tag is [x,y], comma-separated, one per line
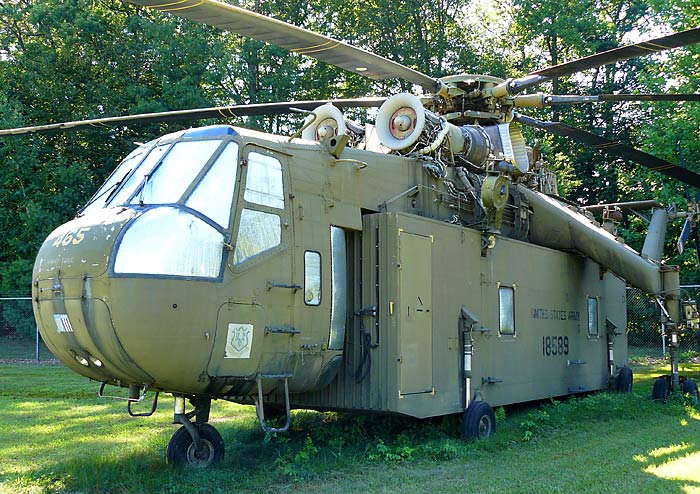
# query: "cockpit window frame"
[238,204]
[241,204]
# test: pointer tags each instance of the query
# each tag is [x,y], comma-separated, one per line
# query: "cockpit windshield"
[108,189]
[183,186]
[161,174]
[175,172]
[137,176]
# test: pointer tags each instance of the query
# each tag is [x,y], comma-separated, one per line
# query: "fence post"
[663,341]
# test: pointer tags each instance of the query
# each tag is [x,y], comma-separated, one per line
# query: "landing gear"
[660,390]
[623,383]
[690,387]
[182,449]
[198,444]
[478,421]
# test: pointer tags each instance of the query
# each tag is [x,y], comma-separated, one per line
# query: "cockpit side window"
[214,194]
[264,181]
[257,233]
[263,208]
[176,172]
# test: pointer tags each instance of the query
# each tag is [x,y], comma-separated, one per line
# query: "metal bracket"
[488,241]
[142,394]
[359,165]
[490,380]
[367,311]
[575,362]
[277,284]
[283,330]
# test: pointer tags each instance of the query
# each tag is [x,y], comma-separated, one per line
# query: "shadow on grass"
[84,445]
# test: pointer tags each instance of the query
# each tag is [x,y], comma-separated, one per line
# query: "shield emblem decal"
[239,340]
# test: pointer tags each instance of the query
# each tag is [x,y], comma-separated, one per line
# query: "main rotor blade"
[615,148]
[542,100]
[253,25]
[683,38]
[198,114]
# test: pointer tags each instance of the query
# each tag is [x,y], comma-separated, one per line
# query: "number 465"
[72,237]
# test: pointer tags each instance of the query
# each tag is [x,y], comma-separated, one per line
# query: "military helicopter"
[422,266]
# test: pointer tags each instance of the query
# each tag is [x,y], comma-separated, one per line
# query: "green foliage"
[17,319]
[298,465]
[63,60]
[500,414]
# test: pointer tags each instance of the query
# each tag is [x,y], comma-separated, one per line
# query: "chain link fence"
[645,336]
[19,336]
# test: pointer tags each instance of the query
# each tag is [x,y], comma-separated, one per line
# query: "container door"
[415,317]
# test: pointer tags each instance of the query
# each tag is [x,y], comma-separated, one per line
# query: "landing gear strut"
[197,444]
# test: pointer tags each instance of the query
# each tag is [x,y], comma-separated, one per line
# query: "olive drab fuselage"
[218,257]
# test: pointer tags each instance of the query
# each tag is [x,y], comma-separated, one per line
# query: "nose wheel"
[198,444]
[183,451]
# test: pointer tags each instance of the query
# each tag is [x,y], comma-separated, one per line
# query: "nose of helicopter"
[74,322]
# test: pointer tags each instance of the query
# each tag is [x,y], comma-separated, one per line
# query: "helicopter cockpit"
[183,186]
[170,212]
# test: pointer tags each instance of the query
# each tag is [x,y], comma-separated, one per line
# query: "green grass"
[57,436]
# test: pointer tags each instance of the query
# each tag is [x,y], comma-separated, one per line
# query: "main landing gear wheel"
[624,380]
[660,390]
[182,451]
[478,421]
[690,387]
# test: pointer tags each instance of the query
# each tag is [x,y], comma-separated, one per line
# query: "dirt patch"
[663,360]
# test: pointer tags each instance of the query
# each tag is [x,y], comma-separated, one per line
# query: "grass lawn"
[57,436]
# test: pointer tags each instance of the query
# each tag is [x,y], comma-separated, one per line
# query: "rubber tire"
[624,380]
[691,387]
[660,391]
[478,421]
[181,451]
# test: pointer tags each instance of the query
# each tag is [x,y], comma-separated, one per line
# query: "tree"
[66,60]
